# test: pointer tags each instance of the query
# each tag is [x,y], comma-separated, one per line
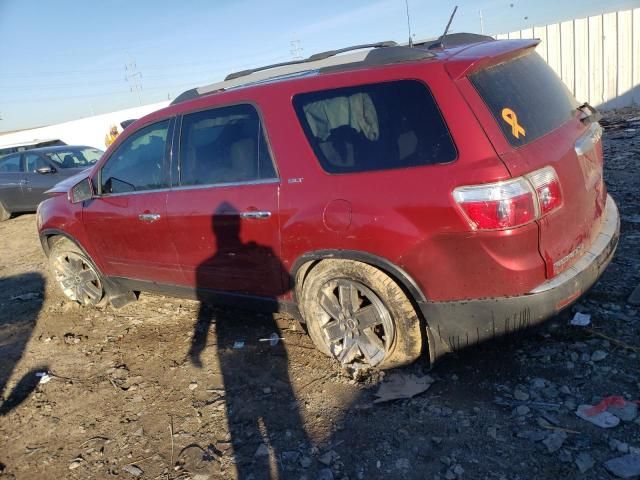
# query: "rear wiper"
[591,115]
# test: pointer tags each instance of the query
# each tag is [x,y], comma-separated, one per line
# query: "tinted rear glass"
[375,127]
[526,97]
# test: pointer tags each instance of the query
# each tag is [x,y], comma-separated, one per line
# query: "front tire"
[357,313]
[75,273]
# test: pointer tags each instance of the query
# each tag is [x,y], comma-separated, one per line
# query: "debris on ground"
[584,462]
[554,441]
[273,339]
[602,419]
[26,296]
[626,466]
[399,386]
[44,377]
[581,319]
[133,470]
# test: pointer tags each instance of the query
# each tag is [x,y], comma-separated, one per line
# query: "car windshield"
[76,158]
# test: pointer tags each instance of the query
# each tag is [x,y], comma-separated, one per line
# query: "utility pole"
[406,4]
[481,22]
[295,50]
[134,78]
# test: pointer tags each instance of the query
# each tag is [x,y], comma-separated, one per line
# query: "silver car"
[25,176]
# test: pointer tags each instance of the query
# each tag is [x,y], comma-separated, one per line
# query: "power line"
[134,77]
[296,50]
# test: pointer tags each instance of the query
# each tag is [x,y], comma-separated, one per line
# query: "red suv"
[398,200]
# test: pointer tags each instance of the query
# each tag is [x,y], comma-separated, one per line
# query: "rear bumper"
[457,325]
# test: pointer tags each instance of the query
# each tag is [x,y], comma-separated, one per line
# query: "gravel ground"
[122,398]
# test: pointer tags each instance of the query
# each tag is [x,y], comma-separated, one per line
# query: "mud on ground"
[124,398]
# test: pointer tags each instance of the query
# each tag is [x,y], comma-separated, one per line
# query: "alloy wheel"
[77,278]
[358,325]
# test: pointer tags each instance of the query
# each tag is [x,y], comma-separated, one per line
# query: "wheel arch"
[47,234]
[305,263]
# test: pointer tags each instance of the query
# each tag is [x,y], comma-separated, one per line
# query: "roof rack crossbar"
[313,58]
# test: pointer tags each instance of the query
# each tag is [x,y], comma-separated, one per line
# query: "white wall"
[598,57]
[85,131]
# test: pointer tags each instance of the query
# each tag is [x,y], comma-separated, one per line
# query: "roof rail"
[453,40]
[312,58]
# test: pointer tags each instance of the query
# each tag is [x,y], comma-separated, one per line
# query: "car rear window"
[375,127]
[526,97]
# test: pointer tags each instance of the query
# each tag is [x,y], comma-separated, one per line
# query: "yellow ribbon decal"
[511,118]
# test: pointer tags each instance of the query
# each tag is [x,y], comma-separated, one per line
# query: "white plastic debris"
[238,345]
[581,319]
[44,377]
[400,386]
[273,339]
[602,419]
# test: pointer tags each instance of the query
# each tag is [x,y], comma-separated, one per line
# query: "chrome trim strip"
[194,187]
[228,184]
[610,226]
[588,140]
[135,192]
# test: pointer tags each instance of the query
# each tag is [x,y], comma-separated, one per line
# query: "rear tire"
[357,313]
[75,273]
[4,213]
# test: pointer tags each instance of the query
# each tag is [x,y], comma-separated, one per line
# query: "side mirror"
[81,191]
[46,170]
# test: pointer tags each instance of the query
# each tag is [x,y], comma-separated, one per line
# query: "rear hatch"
[533,122]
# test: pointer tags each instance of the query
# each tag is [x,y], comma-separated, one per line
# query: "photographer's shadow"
[15,331]
[262,411]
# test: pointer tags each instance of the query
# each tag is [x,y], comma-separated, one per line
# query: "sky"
[65,59]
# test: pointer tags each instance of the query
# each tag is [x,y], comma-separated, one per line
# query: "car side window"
[137,164]
[34,162]
[224,145]
[378,126]
[10,164]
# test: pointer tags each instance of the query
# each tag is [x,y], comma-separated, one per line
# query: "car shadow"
[21,298]
[260,403]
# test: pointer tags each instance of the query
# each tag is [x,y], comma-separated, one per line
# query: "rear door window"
[224,145]
[526,97]
[375,127]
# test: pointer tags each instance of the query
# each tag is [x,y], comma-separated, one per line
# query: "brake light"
[547,186]
[497,205]
[512,203]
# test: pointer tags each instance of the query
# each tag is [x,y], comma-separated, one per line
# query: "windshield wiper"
[591,115]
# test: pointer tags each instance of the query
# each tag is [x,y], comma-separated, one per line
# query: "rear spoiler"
[481,55]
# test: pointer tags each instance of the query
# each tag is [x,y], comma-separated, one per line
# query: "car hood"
[67,183]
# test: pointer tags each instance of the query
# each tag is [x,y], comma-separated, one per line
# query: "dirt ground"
[125,398]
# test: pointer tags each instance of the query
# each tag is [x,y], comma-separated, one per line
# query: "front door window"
[138,164]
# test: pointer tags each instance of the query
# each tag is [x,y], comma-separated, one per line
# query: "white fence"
[598,57]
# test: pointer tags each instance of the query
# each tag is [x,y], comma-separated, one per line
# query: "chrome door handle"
[255,214]
[149,217]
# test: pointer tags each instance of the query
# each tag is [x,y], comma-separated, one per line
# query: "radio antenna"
[406,4]
[439,43]
[455,9]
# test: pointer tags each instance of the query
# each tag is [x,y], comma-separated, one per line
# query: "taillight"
[512,203]
[497,205]
[547,186]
